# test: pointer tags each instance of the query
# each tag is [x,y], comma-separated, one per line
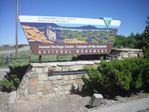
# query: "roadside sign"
[48,35]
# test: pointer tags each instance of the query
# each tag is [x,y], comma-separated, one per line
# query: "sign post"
[16,29]
[40,58]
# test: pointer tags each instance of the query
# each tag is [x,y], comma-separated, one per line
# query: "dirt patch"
[4,97]
[67,103]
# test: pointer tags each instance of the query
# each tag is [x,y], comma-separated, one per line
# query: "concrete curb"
[131,106]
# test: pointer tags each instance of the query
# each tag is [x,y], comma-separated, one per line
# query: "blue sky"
[132,13]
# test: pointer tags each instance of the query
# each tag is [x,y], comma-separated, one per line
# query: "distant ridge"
[53,25]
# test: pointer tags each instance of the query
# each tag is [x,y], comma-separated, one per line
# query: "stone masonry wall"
[36,82]
[126,53]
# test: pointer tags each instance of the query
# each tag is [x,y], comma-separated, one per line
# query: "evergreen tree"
[143,40]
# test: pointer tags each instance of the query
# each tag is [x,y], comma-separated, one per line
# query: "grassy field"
[7,56]
[6,48]
[51,58]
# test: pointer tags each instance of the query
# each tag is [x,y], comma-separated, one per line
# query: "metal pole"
[29,59]
[16,29]
[40,59]
[57,58]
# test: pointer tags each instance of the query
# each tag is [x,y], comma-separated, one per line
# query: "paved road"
[2,52]
[132,106]
[144,110]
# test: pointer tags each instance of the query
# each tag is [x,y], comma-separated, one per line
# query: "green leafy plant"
[10,83]
[14,77]
[118,77]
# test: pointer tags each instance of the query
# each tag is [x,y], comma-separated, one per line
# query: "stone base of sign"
[37,81]
[40,80]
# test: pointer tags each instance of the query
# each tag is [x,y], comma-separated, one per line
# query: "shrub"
[14,77]
[92,81]
[118,77]
[10,83]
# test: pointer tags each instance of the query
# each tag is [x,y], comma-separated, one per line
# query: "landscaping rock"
[96,100]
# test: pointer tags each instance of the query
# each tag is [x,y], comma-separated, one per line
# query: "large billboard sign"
[66,35]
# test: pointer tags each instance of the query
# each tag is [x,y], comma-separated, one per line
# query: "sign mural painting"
[66,35]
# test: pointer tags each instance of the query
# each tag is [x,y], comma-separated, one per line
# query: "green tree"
[120,41]
[143,40]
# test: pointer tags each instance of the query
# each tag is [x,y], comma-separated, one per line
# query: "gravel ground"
[121,100]
[69,103]
[130,106]
[145,110]
[4,97]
